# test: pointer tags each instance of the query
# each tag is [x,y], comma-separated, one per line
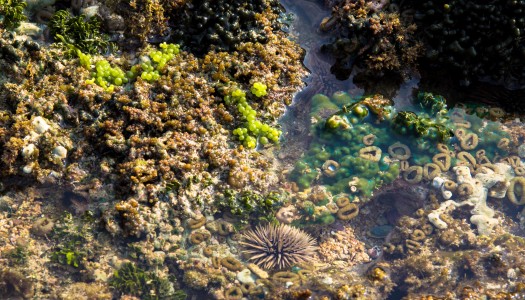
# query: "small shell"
[467,158]
[231,264]
[342,201]
[442,148]
[431,170]
[504,143]
[465,189]
[520,171]
[418,235]
[460,133]
[496,112]
[348,212]
[450,185]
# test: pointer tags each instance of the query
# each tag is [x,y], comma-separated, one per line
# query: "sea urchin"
[277,246]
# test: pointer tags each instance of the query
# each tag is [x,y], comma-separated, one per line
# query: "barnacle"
[431,170]
[443,160]
[231,263]
[372,153]
[469,141]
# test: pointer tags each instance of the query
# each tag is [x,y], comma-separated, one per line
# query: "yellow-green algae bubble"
[259,89]
[253,130]
[108,76]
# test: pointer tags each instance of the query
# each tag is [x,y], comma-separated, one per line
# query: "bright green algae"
[107,76]
[253,130]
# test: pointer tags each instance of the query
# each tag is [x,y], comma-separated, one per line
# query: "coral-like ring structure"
[516,191]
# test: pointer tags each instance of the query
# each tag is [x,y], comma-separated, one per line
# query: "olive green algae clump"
[79,32]
[132,280]
[11,13]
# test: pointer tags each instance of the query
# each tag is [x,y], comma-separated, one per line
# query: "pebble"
[245,276]
[60,152]
[380,231]
[40,125]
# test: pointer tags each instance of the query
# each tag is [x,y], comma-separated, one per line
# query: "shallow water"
[398,200]
[308,14]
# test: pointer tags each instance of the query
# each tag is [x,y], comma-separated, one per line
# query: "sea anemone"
[278,246]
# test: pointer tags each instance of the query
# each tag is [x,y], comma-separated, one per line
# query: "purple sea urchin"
[279,246]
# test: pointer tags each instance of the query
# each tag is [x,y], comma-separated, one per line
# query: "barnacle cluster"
[422,145]
[472,170]
[365,145]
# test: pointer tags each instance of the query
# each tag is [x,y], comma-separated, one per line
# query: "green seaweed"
[247,203]
[80,33]
[253,130]
[409,123]
[70,254]
[108,76]
[132,280]
[73,235]
[12,12]
[434,104]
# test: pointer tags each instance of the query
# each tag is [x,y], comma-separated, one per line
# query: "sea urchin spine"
[278,246]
